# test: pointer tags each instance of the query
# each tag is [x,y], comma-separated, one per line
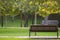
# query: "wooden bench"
[43,28]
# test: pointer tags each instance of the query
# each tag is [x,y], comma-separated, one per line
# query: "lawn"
[18,31]
[23,32]
[24,39]
[15,39]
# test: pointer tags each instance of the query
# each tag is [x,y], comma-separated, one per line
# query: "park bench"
[44,28]
[50,22]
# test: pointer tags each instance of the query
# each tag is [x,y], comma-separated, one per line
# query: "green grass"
[13,31]
[15,39]
[16,23]
[24,39]
[23,32]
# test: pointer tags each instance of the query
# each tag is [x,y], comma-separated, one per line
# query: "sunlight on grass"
[15,39]
[23,32]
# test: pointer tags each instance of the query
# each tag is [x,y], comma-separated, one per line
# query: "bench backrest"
[50,22]
[44,28]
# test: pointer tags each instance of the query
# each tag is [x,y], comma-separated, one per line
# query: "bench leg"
[57,34]
[29,33]
[35,33]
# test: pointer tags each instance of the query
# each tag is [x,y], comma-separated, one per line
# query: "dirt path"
[29,37]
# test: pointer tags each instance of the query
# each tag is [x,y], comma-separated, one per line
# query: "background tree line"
[26,8]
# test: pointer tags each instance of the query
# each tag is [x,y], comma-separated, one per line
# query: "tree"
[41,7]
[48,7]
[7,8]
[26,7]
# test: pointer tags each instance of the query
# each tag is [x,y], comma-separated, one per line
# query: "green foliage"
[48,7]
[7,7]
[41,7]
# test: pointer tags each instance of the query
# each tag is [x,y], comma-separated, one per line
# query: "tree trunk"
[26,21]
[2,21]
[6,20]
[12,18]
[33,18]
[21,19]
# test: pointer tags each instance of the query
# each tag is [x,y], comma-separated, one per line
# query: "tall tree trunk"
[12,18]
[33,18]
[6,20]
[59,20]
[2,21]
[26,21]
[21,19]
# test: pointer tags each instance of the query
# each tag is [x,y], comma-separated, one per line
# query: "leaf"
[30,2]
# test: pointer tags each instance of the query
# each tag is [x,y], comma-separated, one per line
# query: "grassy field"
[15,39]
[23,32]
[24,39]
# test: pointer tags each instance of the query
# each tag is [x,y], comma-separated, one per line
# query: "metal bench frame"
[43,28]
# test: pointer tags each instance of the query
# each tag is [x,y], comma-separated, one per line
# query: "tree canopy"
[41,7]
